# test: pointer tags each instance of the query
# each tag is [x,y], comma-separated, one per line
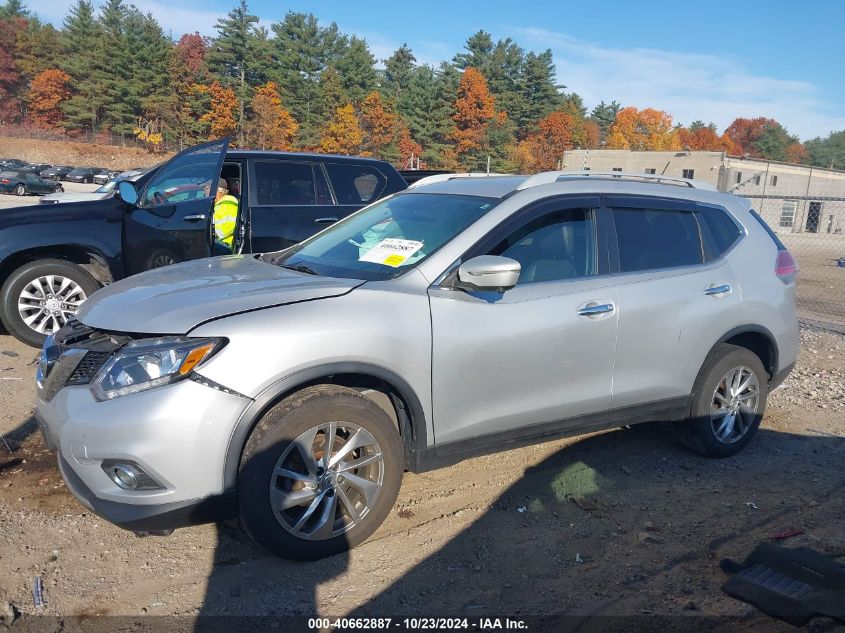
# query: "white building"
[792,198]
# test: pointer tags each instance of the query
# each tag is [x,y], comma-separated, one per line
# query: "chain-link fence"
[813,229]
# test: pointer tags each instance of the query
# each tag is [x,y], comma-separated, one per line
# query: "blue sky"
[711,61]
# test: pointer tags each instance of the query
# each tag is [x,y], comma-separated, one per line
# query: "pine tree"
[540,90]
[232,57]
[332,95]
[81,36]
[13,9]
[426,106]
[302,50]
[113,72]
[477,52]
[604,114]
[356,67]
[398,70]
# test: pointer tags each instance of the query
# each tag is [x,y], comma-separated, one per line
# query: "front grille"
[88,368]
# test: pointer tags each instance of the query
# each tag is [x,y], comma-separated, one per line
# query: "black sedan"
[12,163]
[57,172]
[21,183]
[84,174]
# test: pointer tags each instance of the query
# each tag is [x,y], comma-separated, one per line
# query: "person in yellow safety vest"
[225,215]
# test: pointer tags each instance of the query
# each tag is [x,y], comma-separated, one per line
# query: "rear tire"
[300,504]
[728,401]
[29,278]
[20,190]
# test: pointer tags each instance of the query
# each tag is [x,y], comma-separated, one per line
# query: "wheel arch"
[410,415]
[756,339]
[90,258]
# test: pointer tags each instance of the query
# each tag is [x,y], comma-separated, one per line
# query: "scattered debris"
[38,592]
[405,513]
[522,509]
[645,537]
[780,536]
[751,505]
[625,470]
[10,354]
[578,558]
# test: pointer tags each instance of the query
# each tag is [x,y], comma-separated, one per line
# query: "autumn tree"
[474,112]
[11,81]
[700,137]
[49,89]
[343,134]
[221,116]
[410,152]
[543,150]
[379,124]
[646,129]
[271,126]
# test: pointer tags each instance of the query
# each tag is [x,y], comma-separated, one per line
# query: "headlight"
[151,363]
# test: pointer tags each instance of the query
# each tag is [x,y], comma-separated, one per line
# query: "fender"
[412,420]
[754,329]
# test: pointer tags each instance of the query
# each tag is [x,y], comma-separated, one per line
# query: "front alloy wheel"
[326,481]
[319,473]
[46,303]
[734,406]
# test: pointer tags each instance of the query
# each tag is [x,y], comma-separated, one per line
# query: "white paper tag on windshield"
[391,252]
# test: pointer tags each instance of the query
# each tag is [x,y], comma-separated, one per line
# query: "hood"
[177,298]
[74,196]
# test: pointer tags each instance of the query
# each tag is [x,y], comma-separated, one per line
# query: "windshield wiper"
[300,268]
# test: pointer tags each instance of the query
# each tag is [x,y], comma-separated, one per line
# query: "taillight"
[5,181]
[785,266]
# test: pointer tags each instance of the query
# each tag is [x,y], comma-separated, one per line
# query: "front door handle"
[717,290]
[199,217]
[596,308]
[325,220]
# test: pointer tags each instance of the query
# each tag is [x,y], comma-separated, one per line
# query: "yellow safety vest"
[226,219]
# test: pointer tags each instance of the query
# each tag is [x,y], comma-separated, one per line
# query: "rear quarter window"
[719,231]
[356,184]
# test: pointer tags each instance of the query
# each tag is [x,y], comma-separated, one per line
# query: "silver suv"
[460,317]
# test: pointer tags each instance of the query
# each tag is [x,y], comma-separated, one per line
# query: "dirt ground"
[624,522]
[76,154]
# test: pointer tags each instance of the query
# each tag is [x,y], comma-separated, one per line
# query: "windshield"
[106,188]
[388,238]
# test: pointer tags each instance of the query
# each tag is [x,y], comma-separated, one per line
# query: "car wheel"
[39,298]
[58,189]
[20,190]
[161,257]
[319,473]
[729,398]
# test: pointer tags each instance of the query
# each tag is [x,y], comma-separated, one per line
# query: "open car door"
[172,220]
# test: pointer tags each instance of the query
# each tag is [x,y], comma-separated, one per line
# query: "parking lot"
[621,522]
[8,201]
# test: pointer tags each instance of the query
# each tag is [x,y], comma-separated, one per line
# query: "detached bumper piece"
[150,519]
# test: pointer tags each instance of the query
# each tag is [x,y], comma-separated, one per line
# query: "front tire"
[729,398]
[38,298]
[303,502]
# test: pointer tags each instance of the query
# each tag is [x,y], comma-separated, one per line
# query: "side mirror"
[489,272]
[127,192]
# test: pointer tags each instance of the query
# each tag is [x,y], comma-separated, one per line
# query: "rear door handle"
[717,290]
[596,308]
[199,217]
[325,220]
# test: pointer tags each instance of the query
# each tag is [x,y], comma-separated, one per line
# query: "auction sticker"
[391,252]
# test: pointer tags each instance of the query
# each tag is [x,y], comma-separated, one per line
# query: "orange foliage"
[797,153]
[706,139]
[271,127]
[379,123]
[543,150]
[408,148]
[221,115]
[343,134]
[745,133]
[475,109]
[646,129]
[48,90]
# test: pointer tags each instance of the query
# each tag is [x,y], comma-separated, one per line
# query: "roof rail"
[430,180]
[548,177]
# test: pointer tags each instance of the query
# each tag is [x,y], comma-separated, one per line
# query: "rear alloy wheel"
[20,190]
[58,189]
[729,398]
[319,474]
[40,297]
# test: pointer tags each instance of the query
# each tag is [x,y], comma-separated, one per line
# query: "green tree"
[235,55]
[477,53]
[774,142]
[13,9]
[356,67]
[398,70]
[829,151]
[540,91]
[81,36]
[302,49]
[113,71]
[332,95]
[426,107]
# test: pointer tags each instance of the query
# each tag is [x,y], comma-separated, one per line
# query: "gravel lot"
[622,522]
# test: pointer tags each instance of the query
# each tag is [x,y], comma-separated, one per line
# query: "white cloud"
[708,86]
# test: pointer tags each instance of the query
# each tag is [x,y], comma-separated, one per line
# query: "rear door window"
[651,239]
[287,183]
[356,184]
